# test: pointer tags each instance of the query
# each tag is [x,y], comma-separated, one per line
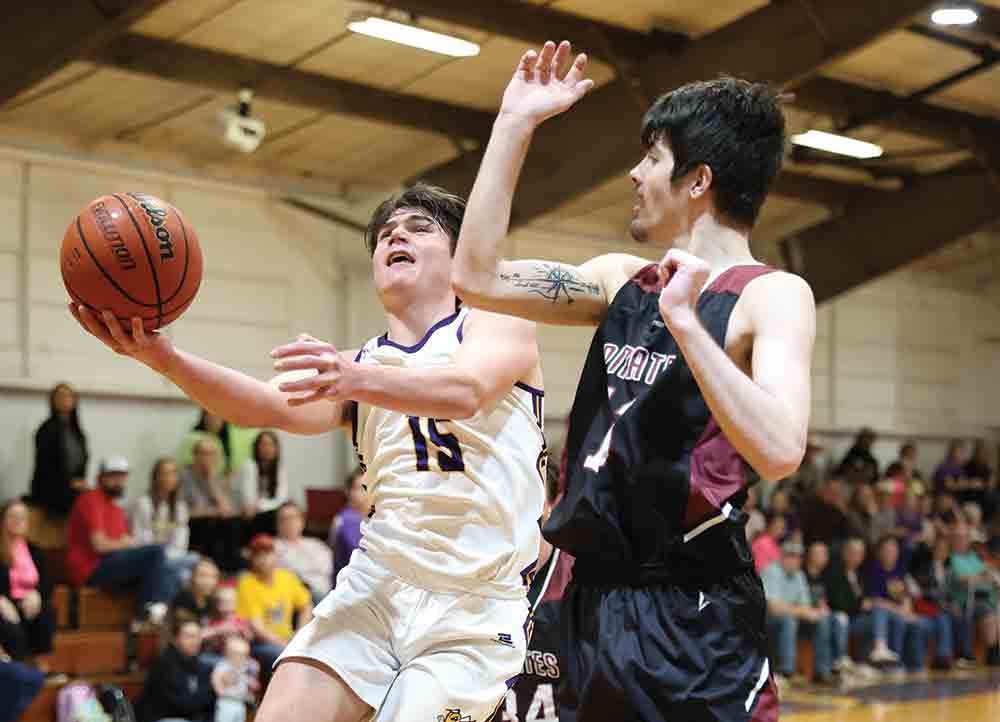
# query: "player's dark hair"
[733,126]
[446,208]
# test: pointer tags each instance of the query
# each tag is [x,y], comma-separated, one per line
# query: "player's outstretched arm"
[550,292]
[496,352]
[235,396]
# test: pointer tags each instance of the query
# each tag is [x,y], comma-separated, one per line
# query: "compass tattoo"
[552,282]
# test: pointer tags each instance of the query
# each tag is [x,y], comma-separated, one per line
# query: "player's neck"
[408,323]
[723,246]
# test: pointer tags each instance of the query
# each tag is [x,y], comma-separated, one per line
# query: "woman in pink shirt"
[27,621]
[765,547]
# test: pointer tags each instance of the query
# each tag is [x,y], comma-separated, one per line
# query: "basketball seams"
[110,279]
[181,305]
[180,220]
[149,257]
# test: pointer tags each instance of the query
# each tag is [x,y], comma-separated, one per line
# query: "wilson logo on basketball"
[157,218]
[104,221]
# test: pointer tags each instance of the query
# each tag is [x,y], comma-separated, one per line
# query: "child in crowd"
[224,624]
[234,679]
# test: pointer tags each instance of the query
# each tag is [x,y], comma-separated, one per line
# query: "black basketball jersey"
[533,695]
[653,487]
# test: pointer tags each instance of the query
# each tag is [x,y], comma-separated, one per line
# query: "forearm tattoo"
[552,282]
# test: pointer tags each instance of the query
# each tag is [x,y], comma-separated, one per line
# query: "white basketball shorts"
[412,654]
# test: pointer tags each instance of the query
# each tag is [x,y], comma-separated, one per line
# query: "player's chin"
[638,231]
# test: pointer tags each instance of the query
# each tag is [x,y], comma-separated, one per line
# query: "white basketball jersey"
[455,503]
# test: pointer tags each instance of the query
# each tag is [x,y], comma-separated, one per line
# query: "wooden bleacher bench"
[62,604]
[88,652]
[99,609]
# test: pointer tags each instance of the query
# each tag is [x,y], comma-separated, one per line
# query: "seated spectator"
[789,605]
[161,517]
[805,482]
[216,528]
[177,686]
[273,600]
[908,462]
[27,620]
[766,547]
[874,625]
[929,579]
[60,469]
[780,504]
[263,485]
[974,591]
[234,679]
[219,433]
[824,516]
[19,685]
[102,553]
[756,522]
[345,532]
[894,483]
[197,601]
[863,512]
[310,559]
[946,514]
[817,562]
[949,476]
[223,624]
[859,464]
[885,584]
[982,480]
[910,520]
[883,523]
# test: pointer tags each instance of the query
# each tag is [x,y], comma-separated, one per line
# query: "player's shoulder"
[613,270]
[773,285]
[478,320]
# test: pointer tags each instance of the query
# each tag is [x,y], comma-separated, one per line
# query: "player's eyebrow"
[408,218]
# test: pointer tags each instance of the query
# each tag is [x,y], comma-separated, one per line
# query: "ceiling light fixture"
[414,37]
[954,16]
[839,144]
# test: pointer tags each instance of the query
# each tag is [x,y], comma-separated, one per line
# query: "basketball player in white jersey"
[428,621]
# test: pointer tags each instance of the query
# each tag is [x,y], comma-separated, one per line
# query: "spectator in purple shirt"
[345,532]
[950,473]
[886,586]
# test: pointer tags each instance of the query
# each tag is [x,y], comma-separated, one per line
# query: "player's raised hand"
[150,348]
[333,375]
[545,83]
[683,276]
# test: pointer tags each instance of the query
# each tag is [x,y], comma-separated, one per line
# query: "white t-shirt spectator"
[250,488]
[156,527]
[310,559]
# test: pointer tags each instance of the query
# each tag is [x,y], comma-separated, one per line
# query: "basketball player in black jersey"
[532,698]
[699,368]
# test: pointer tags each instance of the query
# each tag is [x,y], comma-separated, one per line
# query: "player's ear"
[701,180]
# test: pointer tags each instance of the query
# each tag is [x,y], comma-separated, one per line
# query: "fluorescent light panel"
[839,144]
[954,16]
[414,37]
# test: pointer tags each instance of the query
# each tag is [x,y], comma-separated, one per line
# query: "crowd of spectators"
[214,549]
[882,570]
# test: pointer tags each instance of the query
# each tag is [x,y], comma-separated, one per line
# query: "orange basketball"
[132,254]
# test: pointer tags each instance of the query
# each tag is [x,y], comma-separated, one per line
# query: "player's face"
[660,203]
[412,255]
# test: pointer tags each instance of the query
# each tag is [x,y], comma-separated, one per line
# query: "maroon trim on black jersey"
[735,279]
[717,469]
[766,707]
[648,279]
[560,577]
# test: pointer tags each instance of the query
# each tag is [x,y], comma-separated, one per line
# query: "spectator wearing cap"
[102,553]
[790,609]
[273,600]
